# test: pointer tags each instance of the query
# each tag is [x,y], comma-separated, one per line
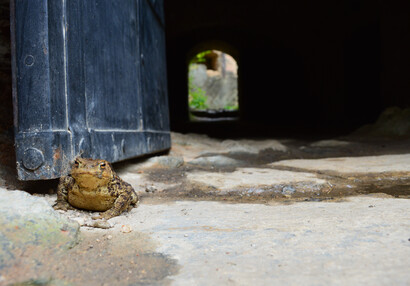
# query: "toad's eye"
[76,164]
[102,165]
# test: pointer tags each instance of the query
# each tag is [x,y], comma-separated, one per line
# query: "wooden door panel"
[90,80]
[154,92]
[111,57]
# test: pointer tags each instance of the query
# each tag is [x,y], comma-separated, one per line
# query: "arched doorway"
[213,86]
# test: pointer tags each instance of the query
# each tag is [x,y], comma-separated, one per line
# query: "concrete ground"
[234,212]
[360,241]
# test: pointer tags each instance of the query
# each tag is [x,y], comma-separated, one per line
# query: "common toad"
[93,185]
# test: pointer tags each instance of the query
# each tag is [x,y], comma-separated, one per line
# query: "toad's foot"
[121,204]
[63,206]
[105,215]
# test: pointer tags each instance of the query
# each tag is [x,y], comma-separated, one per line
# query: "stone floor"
[228,212]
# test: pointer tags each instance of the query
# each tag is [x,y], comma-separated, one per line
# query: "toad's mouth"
[90,180]
[86,174]
[89,175]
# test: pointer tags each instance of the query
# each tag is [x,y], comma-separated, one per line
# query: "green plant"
[200,57]
[197,96]
[231,107]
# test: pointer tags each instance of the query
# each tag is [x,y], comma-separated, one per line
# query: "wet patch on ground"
[103,257]
[396,184]
[217,164]
[298,149]
[336,185]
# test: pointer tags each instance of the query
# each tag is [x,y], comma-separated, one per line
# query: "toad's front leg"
[121,204]
[65,184]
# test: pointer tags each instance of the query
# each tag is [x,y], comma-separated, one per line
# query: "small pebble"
[80,220]
[150,189]
[186,235]
[95,216]
[125,228]
[288,190]
[99,224]
[109,236]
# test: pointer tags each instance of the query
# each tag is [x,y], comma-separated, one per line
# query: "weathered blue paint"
[90,79]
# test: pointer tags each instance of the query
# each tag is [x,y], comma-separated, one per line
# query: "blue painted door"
[90,80]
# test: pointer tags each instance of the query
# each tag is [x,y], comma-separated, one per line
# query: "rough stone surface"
[330,143]
[302,223]
[252,146]
[365,164]
[191,146]
[393,122]
[242,169]
[27,220]
[165,161]
[356,241]
[251,177]
[221,90]
[360,241]
[198,75]
[215,161]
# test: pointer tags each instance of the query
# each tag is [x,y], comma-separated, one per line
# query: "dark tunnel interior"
[304,68]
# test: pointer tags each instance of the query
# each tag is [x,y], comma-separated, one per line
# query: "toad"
[93,185]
